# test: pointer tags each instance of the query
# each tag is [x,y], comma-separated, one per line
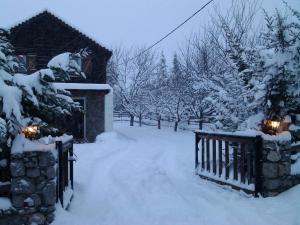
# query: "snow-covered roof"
[62,21]
[82,86]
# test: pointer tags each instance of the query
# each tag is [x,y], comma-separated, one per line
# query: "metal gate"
[65,181]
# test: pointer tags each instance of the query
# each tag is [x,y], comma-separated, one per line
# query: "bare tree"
[130,72]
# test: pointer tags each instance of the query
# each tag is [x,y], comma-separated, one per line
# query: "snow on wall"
[295,167]
[22,144]
[82,86]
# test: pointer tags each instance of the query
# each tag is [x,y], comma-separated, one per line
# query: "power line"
[171,32]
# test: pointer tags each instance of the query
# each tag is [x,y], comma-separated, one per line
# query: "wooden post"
[196,150]
[226,160]
[202,154]
[242,165]
[207,155]
[71,166]
[220,158]
[258,160]
[251,165]
[214,157]
[235,161]
[60,172]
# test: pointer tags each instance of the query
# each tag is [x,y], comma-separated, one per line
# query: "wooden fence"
[228,159]
[65,184]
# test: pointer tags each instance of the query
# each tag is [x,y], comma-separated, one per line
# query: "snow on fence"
[65,185]
[229,159]
[190,124]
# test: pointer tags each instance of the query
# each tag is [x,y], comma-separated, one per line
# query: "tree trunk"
[158,124]
[176,126]
[140,120]
[131,120]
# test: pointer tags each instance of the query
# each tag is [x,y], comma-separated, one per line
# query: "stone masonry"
[276,167]
[33,189]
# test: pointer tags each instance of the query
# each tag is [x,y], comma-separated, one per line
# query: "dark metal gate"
[228,159]
[65,184]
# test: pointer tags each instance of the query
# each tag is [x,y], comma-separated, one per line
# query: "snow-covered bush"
[31,98]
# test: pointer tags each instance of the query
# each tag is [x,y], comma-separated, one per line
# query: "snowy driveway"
[140,176]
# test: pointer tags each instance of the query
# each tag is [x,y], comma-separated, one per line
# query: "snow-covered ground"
[139,176]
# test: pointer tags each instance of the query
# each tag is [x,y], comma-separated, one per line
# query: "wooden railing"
[229,159]
[65,181]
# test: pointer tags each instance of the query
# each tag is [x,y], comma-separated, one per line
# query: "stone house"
[44,36]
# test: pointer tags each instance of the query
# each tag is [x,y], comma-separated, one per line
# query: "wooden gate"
[5,176]
[228,159]
[65,184]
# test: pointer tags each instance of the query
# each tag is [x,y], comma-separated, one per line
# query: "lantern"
[271,126]
[31,131]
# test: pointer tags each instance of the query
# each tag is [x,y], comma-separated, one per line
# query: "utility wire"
[171,32]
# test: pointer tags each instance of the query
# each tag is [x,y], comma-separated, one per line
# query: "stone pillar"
[276,166]
[33,186]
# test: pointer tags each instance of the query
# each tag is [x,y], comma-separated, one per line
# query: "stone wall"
[276,167]
[33,189]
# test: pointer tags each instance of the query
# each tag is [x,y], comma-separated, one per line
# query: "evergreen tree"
[281,64]
[32,99]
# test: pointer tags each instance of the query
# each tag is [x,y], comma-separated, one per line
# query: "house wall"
[95,111]
[109,111]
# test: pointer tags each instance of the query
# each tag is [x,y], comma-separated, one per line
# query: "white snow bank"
[253,121]
[22,144]
[295,167]
[82,86]
[246,133]
[60,61]
[282,137]
[146,176]
[5,203]
[106,137]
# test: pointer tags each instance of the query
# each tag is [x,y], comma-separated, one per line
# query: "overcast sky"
[127,22]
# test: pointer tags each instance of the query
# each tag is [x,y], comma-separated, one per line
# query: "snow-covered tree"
[281,65]
[176,95]
[157,90]
[132,74]
[31,98]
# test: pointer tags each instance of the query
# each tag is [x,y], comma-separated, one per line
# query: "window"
[31,62]
[27,63]
[78,61]
[22,64]
[87,65]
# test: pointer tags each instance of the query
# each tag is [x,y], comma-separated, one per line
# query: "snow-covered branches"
[226,76]
[31,98]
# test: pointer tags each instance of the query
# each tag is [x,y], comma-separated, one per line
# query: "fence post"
[196,150]
[71,166]
[258,159]
[60,182]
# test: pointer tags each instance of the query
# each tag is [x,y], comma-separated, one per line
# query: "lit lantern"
[272,126]
[31,131]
